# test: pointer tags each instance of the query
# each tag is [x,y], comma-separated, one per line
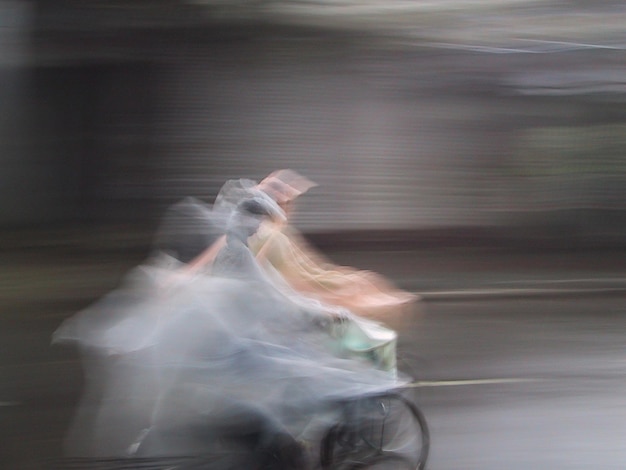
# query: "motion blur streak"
[401,112]
[467,147]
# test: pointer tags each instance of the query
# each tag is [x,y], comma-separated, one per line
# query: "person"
[286,257]
[128,338]
[281,246]
[226,350]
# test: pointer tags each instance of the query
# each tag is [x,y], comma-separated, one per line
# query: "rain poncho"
[169,353]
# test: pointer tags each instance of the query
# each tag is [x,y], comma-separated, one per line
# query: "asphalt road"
[505,382]
[524,383]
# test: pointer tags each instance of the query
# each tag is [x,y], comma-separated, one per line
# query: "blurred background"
[428,125]
[411,115]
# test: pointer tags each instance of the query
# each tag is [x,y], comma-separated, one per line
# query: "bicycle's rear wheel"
[380,432]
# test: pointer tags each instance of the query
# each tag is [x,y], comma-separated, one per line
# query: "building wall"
[396,137]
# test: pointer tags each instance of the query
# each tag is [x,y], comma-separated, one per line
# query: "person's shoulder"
[271,229]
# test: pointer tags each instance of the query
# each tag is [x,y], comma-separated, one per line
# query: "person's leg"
[274,448]
[191,421]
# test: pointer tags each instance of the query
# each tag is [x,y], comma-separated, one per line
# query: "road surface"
[515,382]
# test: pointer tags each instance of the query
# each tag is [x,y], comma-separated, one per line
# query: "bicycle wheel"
[387,431]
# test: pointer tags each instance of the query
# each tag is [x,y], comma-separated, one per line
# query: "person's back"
[188,228]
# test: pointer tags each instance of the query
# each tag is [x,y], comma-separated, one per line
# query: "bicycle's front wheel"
[380,432]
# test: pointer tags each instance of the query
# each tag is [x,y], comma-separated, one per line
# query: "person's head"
[251,212]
